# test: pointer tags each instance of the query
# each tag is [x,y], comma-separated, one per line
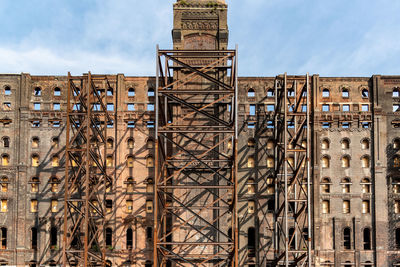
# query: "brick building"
[355,160]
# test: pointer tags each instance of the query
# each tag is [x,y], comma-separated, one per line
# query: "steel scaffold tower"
[86,175]
[292,171]
[195,200]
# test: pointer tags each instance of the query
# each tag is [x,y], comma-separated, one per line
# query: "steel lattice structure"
[196,159]
[86,175]
[292,171]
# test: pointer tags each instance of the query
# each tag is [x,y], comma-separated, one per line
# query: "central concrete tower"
[200,25]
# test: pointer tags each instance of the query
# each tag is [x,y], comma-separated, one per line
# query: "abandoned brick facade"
[355,162]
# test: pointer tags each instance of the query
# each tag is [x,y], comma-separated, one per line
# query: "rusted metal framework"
[292,171]
[195,201]
[86,175]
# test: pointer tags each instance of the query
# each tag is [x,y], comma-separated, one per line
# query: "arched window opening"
[345,143]
[365,93]
[251,93]
[251,189]
[290,92]
[109,205]
[110,91]
[270,162]
[148,264]
[31,263]
[5,160]
[6,141]
[150,186]
[149,233]
[365,162]
[251,142]
[131,91]
[250,162]
[110,143]
[108,263]
[325,207]
[150,143]
[129,238]
[3,238]
[57,91]
[53,238]
[290,160]
[325,93]
[109,161]
[326,186]
[129,161]
[37,91]
[270,189]
[7,90]
[366,185]
[54,205]
[35,160]
[251,242]
[345,93]
[4,184]
[35,142]
[325,162]
[346,206]
[396,93]
[270,93]
[149,162]
[150,92]
[35,184]
[346,183]
[346,161]
[108,238]
[54,142]
[129,185]
[365,144]
[397,237]
[347,238]
[34,238]
[130,143]
[55,161]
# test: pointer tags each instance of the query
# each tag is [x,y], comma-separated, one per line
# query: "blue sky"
[331,38]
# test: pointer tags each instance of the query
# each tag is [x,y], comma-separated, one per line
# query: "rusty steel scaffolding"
[195,199]
[86,175]
[292,171]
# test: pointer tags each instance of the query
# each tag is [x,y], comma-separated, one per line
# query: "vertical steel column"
[86,171]
[292,171]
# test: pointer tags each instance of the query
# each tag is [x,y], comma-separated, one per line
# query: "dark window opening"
[270,206]
[230,233]
[37,91]
[345,93]
[347,238]
[53,237]
[365,93]
[131,92]
[367,239]
[129,238]
[149,232]
[150,92]
[6,142]
[148,264]
[270,93]
[325,93]
[3,238]
[108,237]
[251,93]
[398,238]
[57,91]
[34,237]
[7,90]
[251,242]
[110,91]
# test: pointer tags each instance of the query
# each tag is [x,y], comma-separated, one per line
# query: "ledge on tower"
[202,3]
